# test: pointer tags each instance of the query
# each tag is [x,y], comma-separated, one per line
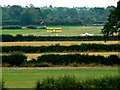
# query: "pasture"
[27,77]
[66,31]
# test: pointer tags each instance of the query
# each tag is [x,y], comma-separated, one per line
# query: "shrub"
[14,59]
[113,59]
[6,38]
[71,83]
[59,48]
[79,59]
[31,27]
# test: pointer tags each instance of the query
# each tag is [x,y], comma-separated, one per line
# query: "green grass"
[28,78]
[66,31]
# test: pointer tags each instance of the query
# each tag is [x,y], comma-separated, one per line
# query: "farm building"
[54,30]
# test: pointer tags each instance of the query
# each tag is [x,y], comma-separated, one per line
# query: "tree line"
[59,48]
[19,59]
[19,37]
[30,15]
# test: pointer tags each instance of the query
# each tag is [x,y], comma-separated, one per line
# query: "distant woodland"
[30,15]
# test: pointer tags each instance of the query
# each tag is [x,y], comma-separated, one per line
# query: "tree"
[113,23]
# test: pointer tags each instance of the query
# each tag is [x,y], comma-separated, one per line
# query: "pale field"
[47,43]
[35,55]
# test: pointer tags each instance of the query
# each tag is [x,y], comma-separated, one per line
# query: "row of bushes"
[12,27]
[14,59]
[20,27]
[17,59]
[10,38]
[71,83]
[35,27]
[79,59]
[59,48]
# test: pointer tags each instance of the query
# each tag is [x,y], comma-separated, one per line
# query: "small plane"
[86,34]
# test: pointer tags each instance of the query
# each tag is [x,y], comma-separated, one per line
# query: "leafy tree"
[113,23]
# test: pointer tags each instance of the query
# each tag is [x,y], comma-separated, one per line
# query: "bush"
[59,48]
[79,59]
[31,27]
[71,83]
[6,38]
[12,27]
[14,59]
[18,59]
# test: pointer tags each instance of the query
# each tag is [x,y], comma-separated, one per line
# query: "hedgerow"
[56,59]
[71,83]
[14,59]
[12,27]
[59,48]
[18,59]
[10,38]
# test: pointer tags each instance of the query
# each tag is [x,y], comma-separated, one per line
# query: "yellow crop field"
[47,43]
[35,55]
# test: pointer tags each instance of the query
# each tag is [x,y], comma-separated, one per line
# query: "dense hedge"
[59,48]
[71,83]
[18,59]
[79,59]
[14,59]
[31,27]
[6,38]
[12,27]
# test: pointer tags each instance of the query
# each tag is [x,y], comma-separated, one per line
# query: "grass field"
[27,77]
[47,43]
[66,31]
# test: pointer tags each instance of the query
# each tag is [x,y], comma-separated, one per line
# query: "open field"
[66,31]
[27,77]
[47,43]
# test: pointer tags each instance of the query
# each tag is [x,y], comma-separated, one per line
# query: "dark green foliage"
[79,59]
[62,83]
[59,48]
[12,27]
[71,83]
[113,22]
[18,59]
[113,58]
[15,14]
[31,27]
[2,85]
[10,38]
[14,59]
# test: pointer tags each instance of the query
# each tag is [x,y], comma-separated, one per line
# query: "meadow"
[28,77]
[66,31]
